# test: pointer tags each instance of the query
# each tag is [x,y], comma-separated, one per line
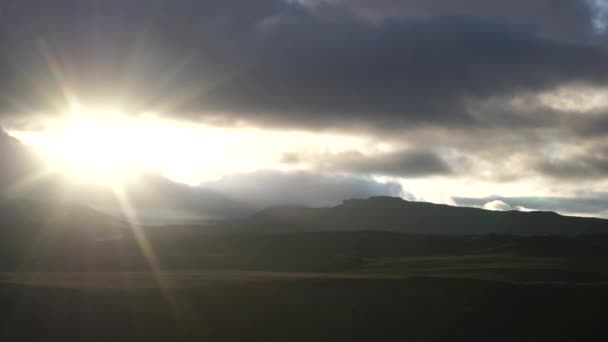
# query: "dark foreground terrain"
[81,276]
[349,286]
[267,308]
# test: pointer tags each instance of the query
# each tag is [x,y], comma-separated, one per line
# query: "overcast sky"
[502,104]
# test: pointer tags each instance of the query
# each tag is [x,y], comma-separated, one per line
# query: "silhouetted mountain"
[17,162]
[398,215]
[37,235]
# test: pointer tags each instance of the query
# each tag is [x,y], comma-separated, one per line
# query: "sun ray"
[58,74]
[45,234]
[144,244]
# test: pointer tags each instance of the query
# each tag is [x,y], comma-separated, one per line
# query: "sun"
[109,146]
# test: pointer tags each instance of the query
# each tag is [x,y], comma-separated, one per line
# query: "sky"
[501,105]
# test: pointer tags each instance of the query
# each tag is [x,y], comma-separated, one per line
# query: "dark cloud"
[593,165]
[594,126]
[117,51]
[280,63]
[158,199]
[407,163]
[396,74]
[239,195]
[266,188]
[561,18]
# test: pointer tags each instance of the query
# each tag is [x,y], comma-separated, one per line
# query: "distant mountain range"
[62,236]
[398,215]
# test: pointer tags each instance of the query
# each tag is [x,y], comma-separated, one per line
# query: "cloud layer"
[467,90]
[287,64]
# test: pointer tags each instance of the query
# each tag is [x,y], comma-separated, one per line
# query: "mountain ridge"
[400,215]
